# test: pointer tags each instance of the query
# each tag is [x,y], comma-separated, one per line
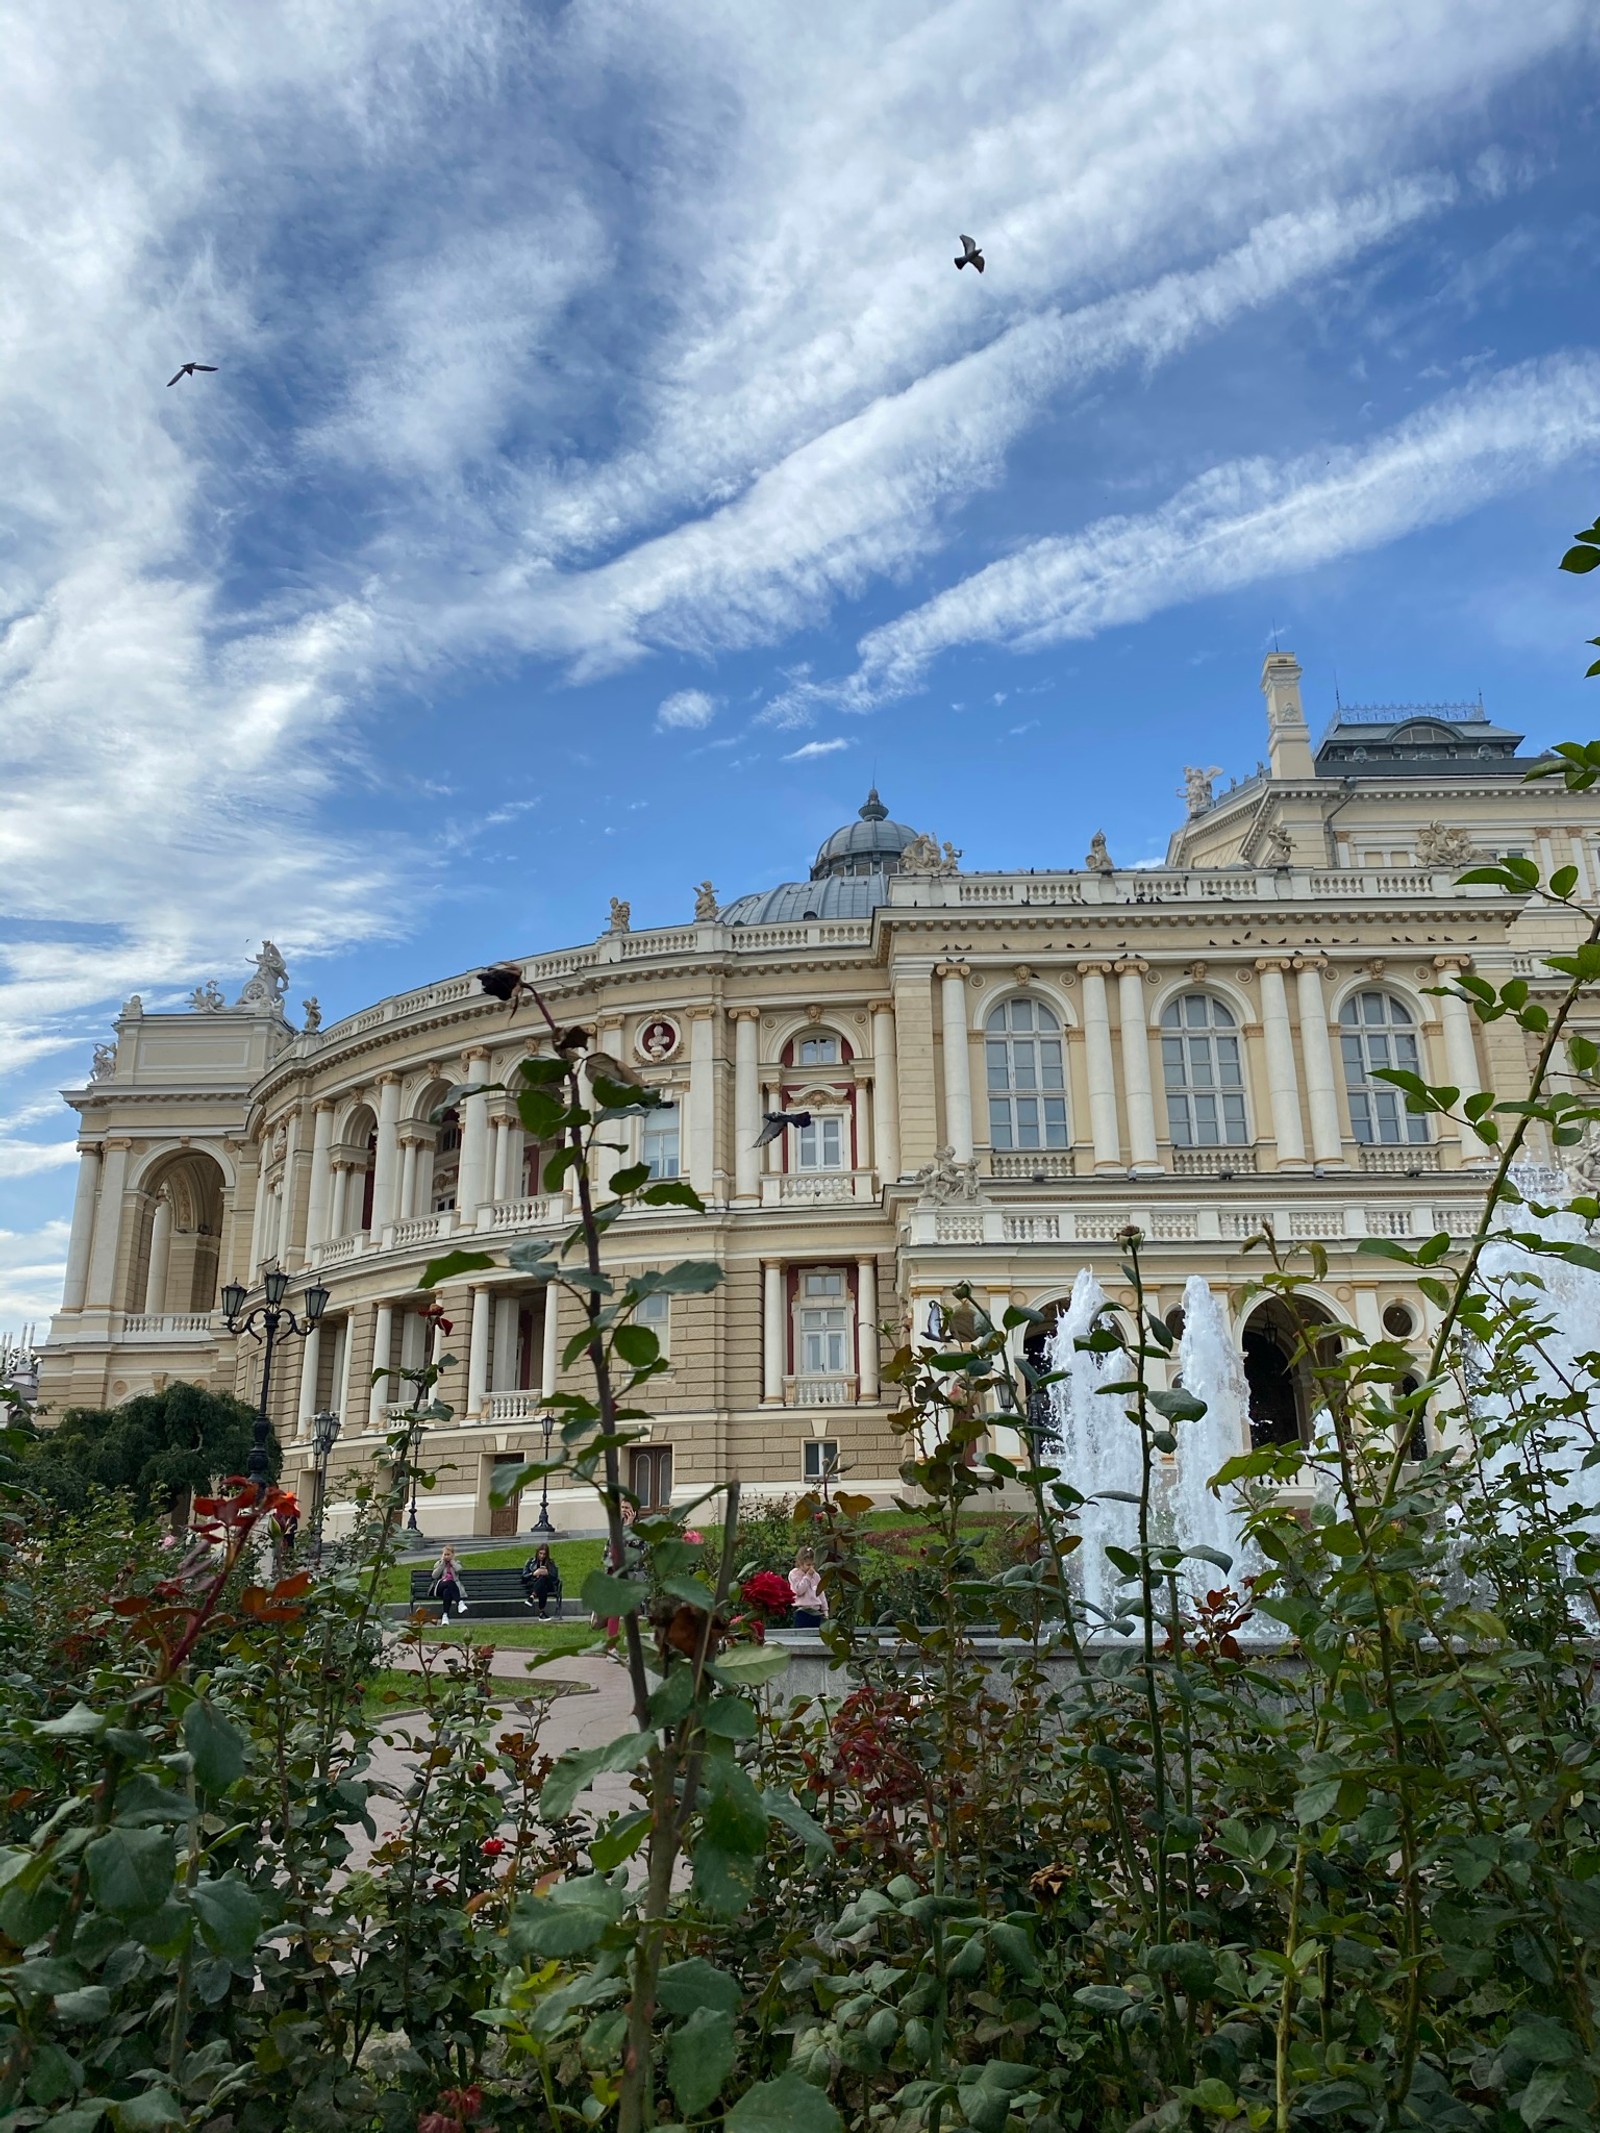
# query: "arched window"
[1204,1077]
[1376,1030]
[1027,1088]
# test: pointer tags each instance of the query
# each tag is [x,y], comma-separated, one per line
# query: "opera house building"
[1002,1070]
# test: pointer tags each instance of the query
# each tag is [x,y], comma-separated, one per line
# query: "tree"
[160,1446]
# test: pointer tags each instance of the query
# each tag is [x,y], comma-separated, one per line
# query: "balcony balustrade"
[802,1391]
[1214,1162]
[167,1325]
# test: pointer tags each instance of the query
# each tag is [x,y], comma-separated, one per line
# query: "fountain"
[1567,1299]
[1096,1447]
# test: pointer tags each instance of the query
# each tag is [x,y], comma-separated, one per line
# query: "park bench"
[494,1595]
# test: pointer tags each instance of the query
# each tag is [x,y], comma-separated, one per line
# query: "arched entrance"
[174,1263]
[1279,1373]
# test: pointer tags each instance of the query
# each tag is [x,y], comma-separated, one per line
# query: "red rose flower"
[492,1847]
[767,1593]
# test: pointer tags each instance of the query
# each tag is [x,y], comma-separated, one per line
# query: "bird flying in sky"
[187,370]
[970,255]
[777,1123]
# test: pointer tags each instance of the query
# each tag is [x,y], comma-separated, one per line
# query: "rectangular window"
[821,1462]
[656,1313]
[823,1323]
[820,1146]
[658,1141]
[817,1051]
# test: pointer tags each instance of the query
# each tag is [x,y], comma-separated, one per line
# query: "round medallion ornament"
[658,1040]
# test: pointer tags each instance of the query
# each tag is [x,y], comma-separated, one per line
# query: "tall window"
[1204,1079]
[823,1323]
[1027,1088]
[817,1051]
[820,1146]
[1376,1030]
[658,1141]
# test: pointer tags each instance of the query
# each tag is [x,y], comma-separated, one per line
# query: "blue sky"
[607,473]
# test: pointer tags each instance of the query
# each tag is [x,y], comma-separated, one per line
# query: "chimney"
[1288,735]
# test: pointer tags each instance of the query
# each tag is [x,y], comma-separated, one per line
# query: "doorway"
[503,1517]
[650,1476]
[1280,1373]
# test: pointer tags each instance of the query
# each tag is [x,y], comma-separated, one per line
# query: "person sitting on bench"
[541,1581]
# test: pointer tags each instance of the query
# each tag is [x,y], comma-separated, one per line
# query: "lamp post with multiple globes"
[324,1436]
[269,1322]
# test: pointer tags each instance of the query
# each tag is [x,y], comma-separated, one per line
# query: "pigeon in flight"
[970,255]
[187,370]
[777,1123]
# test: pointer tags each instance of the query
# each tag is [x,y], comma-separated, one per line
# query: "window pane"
[1000,1123]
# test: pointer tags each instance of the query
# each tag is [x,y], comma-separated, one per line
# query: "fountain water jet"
[1213,1370]
[1096,1446]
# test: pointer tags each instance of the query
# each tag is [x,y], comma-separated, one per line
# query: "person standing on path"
[805,1583]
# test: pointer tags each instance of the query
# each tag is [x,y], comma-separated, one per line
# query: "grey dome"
[839,896]
[870,845]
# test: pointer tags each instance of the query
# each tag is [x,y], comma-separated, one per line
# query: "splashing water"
[1213,1370]
[1096,1447]
[1570,1302]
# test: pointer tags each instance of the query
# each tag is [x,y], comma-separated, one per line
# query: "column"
[774,1348]
[1282,1080]
[408,1181]
[288,1248]
[503,1351]
[478,1352]
[549,1349]
[1136,1064]
[957,1061]
[310,1363]
[108,1226]
[867,1330]
[258,1218]
[347,1349]
[383,1389]
[386,1156]
[155,1285]
[500,1128]
[83,1202]
[474,1174]
[1460,1045]
[885,1092]
[700,1119]
[337,1222]
[1327,1136]
[1101,1066]
[320,1192]
[746,1101]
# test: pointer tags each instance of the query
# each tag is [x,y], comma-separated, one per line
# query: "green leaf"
[1177,1405]
[630,1178]
[80,1723]
[1547,2090]
[699,2059]
[218,1747]
[690,1277]
[1387,1248]
[532,1256]
[748,1664]
[230,1917]
[787,2105]
[1314,1801]
[636,1345]
[1200,1554]
[1102,1999]
[683,1987]
[1580,561]
[88,2004]
[606,1595]
[672,1192]
[80,2117]
[569,1920]
[578,1769]
[729,1718]
[148,2113]
[783,1807]
[452,1264]
[130,1871]
[619,1841]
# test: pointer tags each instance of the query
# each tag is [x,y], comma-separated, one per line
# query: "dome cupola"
[872,844]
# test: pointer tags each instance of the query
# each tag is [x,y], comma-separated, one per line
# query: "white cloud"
[813,749]
[33,1266]
[1254,519]
[22,1159]
[691,708]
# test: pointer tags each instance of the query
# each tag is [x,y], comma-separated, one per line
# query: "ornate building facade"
[1001,1070]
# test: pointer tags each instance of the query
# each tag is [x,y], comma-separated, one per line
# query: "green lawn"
[568,1636]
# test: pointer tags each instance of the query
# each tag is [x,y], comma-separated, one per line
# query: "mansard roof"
[1417,740]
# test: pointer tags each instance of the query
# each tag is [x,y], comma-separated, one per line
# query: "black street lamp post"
[542,1524]
[269,1323]
[324,1436]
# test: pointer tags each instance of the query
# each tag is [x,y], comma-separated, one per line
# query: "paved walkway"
[600,1709]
